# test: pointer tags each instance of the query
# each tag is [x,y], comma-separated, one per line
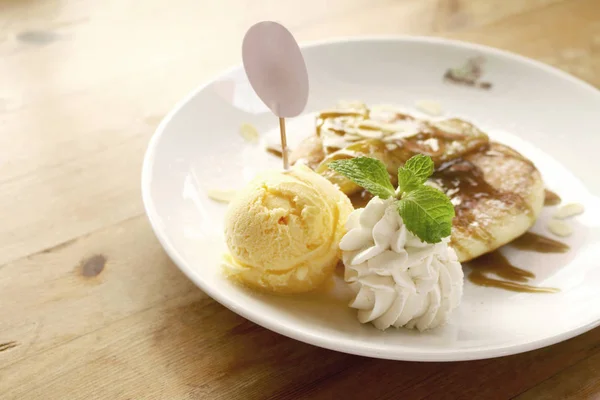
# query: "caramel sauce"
[533,242]
[360,199]
[551,198]
[447,144]
[340,113]
[472,196]
[514,278]
[464,183]
[461,178]
[402,117]
[455,152]
[336,115]
[453,139]
[508,152]
[274,151]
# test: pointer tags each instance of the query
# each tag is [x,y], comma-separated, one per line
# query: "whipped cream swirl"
[399,280]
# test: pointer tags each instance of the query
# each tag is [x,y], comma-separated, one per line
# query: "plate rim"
[309,337]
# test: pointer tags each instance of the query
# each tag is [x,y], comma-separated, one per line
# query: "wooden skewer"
[284,150]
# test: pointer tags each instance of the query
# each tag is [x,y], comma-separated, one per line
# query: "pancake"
[497,193]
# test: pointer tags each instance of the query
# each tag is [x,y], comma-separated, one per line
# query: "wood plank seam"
[150,307]
[595,349]
[154,305]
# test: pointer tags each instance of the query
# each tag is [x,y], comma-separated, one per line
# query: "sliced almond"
[398,136]
[430,107]
[448,126]
[221,195]
[249,132]
[275,149]
[433,144]
[337,141]
[433,184]
[337,113]
[405,127]
[368,133]
[568,210]
[559,228]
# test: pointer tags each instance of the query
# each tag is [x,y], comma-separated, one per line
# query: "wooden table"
[90,305]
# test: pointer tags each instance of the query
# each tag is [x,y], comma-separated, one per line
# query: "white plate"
[551,117]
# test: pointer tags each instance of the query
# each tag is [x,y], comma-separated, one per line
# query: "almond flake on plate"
[430,107]
[221,195]
[559,228]
[249,132]
[568,210]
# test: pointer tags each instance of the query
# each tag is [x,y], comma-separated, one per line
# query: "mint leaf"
[427,213]
[367,172]
[414,173]
[407,181]
[421,166]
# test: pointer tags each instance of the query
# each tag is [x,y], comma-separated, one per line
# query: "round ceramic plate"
[549,116]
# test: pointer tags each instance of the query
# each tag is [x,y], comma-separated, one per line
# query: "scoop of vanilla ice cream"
[283,231]
[399,280]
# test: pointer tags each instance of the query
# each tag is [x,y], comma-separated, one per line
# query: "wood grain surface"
[90,305]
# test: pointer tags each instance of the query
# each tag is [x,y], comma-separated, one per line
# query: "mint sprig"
[421,166]
[407,181]
[367,172]
[414,173]
[426,211]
